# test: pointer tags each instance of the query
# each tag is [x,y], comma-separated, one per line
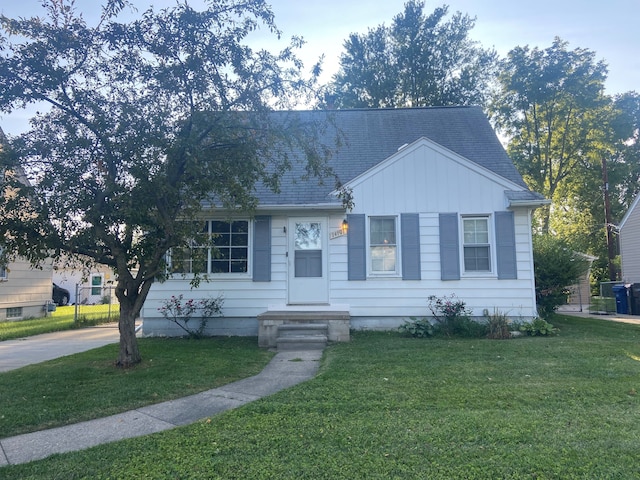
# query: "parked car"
[60,295]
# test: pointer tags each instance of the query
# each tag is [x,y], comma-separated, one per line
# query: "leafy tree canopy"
[147,121]
[557,267]
[420,60]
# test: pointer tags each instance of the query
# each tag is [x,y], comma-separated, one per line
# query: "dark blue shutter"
[262,249]
[506,246]
[410,244]
[357,247]
[449,247]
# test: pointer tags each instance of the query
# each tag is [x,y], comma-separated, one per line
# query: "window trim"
[398,260]
[219,275]
[492,272]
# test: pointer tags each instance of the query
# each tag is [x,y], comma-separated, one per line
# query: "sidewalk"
[612,317]
[285,370]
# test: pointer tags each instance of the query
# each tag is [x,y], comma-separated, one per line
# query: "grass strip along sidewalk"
[62,319]
[386,406]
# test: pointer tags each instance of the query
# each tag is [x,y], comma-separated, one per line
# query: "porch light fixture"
[344,228]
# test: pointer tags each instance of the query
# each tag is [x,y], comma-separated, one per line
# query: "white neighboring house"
[630,243]
[86,285]
[440,209]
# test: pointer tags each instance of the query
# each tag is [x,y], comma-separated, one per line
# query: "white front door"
[308,276]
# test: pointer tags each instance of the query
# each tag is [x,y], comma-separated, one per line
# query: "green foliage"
[147,121]
[84,386]
[181,313]
[417,327]
[419,60]
[452,317]
[538,327]
[61,319]
[386,407]
[557,267]
[498,326]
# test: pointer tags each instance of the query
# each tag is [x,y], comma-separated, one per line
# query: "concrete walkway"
[285,370]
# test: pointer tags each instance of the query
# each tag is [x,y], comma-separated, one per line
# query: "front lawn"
[386,406]
[88,385]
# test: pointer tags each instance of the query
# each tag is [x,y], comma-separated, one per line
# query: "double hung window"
[383,246]
[476,244]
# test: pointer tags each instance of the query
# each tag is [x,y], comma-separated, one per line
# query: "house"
[439,209]
[25,291]
[629,229]
[89,283]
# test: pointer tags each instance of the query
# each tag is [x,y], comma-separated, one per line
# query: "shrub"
[181,313]
[538,327]
[452,317]
[418,327]
[498,326]
[556,268]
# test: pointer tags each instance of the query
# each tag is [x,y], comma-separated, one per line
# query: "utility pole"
[611,250]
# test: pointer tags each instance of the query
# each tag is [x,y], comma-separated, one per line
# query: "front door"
[308,278]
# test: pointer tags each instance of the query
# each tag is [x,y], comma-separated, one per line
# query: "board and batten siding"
[630,244]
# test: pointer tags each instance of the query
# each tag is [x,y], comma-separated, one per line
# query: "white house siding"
[27,288]
[630,244]
[423,179]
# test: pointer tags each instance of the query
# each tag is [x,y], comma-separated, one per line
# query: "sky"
[609,28]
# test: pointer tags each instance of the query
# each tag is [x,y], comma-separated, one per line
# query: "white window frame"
[370,246]
[491,246]
[209,253]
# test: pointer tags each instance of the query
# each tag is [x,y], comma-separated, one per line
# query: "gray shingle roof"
[371,136]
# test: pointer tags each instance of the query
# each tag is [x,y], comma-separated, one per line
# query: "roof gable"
[629,212]
[407,150]
[371,136]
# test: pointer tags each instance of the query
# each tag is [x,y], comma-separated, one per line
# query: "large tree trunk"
[129,354]
[128,297]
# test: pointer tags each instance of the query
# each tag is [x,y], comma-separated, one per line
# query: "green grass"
[386,406]
[61,319]
[88,385]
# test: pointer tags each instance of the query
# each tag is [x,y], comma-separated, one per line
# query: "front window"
[222,247]
[477,254]
[231,242]
[383,245]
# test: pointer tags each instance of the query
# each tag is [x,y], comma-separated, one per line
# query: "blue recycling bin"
[622,305]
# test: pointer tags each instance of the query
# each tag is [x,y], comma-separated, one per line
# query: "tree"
[420,60]
[149,120]
[551,105]
[557,267]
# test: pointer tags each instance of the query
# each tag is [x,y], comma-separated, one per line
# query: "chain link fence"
[95,302]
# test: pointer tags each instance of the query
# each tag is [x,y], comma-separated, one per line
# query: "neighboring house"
[439,209]
[88,283]
[630,243]
[24,290]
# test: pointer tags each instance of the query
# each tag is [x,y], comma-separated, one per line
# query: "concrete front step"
[288,329]
[302,336]
[274,324]
[301,342]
